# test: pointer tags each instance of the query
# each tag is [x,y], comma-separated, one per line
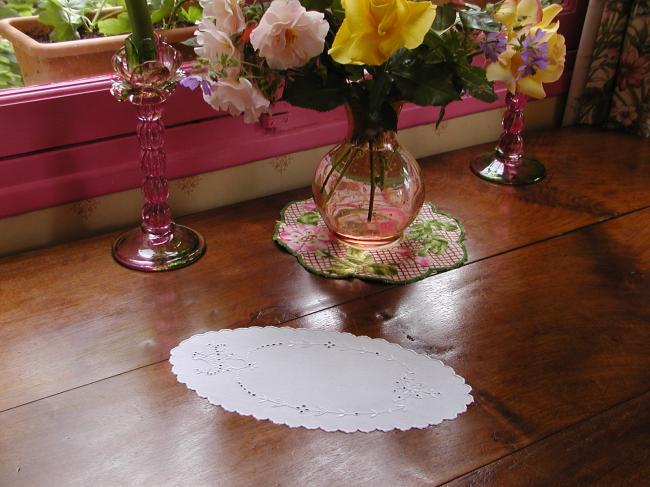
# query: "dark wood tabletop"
[549,322]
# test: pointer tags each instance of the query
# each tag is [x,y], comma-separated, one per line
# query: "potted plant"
[69,39]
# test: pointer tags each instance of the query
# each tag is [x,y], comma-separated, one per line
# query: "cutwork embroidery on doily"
[220,361]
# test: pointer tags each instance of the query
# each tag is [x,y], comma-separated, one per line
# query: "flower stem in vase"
[335,165]
[507,163]
[140,45]
[342,173]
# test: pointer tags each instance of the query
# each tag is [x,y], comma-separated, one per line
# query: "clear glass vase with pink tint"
[368,189]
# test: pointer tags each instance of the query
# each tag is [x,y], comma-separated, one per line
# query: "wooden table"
[549,322]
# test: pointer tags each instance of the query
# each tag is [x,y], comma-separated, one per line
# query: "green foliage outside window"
[9,70]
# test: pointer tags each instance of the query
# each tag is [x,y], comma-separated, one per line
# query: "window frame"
[69,141]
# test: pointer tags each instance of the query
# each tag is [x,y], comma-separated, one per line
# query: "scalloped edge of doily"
[308,330]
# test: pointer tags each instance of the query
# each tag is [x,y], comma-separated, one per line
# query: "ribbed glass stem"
[156,214]
[510,149]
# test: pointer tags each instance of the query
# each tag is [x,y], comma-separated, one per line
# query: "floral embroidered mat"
[432,243]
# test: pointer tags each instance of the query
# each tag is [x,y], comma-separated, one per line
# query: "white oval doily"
[319,379]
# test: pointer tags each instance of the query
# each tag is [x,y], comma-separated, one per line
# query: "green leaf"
[474,81]
[437,51]
[315,90]
[132,55]
[447,227]
[9,70]
[431,84]
[326,254]
[115,25]
[441,116]
[316,4]
[6,12]
[160,9]
[322,100]
[191,15]
[383,269]
[309,218]
[445,17]
[337,11]
[191,42]
[23,7]
[475,18]
[64,16]
[380,111]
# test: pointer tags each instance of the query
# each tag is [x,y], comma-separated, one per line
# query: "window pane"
[50,41]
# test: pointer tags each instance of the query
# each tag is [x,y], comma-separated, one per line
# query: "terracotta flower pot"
[42,62]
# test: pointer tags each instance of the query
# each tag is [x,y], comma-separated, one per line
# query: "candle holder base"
[490,168]
[142,251]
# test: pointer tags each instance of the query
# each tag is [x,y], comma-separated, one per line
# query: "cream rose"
[227,15]
[213,44]
[238,97]
[288,35]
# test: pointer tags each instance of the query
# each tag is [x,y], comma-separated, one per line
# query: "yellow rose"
[374,29]
[513,13]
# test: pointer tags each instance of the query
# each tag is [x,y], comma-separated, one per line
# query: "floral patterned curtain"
[614,77]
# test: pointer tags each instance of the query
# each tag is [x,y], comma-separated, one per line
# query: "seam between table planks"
[566,428]
[388,288]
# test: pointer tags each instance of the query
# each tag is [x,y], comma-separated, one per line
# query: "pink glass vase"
[368,189]
[158,244]
[507,163]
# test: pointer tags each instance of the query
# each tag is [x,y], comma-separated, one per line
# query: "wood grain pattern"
[543,349]
[611,449]
[548,323]
[70,316]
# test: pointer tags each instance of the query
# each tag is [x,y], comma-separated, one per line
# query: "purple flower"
[193,82]
[495,43]
[534,54]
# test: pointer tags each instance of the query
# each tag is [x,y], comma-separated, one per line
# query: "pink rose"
[238,97]
[226,15]
[288,35]
[213,44]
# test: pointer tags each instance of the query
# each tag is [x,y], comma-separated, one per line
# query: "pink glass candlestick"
[507,164]
[158,244]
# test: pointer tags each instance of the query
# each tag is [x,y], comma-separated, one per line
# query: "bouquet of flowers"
[528,51]
[372,56]
[320,54]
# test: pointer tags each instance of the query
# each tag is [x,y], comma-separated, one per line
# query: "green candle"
[142,30]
